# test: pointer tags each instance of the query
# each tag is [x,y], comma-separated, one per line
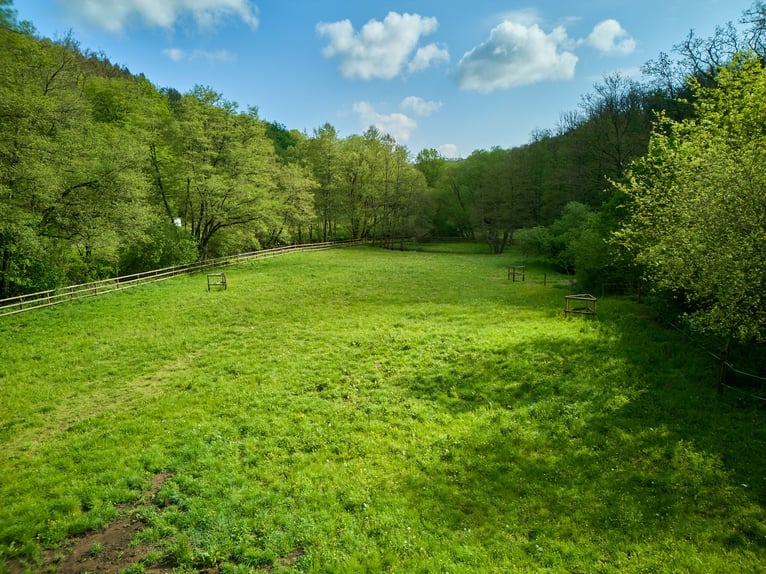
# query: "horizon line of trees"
[102,173]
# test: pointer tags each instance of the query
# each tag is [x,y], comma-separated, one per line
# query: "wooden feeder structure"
[516,272]
[214,279]
[582,304]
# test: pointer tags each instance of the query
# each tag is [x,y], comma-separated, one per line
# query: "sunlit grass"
[364,410]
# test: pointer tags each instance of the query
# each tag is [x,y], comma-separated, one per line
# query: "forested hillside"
[646,184]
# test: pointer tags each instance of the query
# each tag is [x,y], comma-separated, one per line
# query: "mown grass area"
[362,410]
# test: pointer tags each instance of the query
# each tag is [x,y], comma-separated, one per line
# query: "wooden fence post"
[722,370]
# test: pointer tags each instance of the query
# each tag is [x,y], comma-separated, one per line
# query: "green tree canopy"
[698,211]
[222,167]
[72,187]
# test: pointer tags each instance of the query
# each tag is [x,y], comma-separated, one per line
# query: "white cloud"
[610,37]
[420,106]
[379,49]
[448,150]
[526,17]
[174,54]
[399,126]
[516,55]
[115,15]
[426,55]
[178,55]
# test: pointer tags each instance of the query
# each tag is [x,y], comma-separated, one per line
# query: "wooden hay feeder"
[582,304]
[516,272]
[216,279]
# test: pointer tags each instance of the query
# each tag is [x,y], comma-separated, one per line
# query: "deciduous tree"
[698,213]
[321,153]
[224,169]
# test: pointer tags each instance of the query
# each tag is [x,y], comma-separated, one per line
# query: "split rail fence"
[41,299]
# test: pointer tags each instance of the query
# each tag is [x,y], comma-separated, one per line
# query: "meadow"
[363,410]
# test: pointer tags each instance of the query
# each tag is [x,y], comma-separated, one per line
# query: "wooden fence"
[21,303]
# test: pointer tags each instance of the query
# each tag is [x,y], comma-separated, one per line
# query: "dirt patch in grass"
[292,558]
[106,551]
[111,549]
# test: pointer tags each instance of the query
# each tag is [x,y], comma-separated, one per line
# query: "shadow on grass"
[451,247]
[600,448]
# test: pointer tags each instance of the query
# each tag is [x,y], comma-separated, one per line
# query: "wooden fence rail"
[21,303]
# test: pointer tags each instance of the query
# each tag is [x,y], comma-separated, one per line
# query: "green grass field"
[361,410]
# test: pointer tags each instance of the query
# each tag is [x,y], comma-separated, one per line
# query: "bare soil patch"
[106,551]
[111,549]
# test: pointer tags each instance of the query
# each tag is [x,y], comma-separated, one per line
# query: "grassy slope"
[378,411]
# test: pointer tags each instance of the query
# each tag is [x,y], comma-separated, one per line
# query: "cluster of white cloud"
[426,55]
[381,49]
[517,52]
[448,150]
[115,15]
[178,55]
[516,55]
[396,124]
[609,37]
[420,106]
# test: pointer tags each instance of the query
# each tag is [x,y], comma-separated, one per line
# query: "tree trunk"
[158,179]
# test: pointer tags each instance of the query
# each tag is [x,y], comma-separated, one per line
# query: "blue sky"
[454,76]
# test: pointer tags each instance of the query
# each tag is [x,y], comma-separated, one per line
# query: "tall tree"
[501,197]
[292,210]
[403,198]
[7,15]
[755,33]
[353,183]
[611,129]
[70,179]
[698,212]
[451,203]
[431,164]
[701,58]
[285,141]
[322,155]
[224,170]
[619,123]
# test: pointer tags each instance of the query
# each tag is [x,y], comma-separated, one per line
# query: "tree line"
[657,186]
[656,183]
[103,174]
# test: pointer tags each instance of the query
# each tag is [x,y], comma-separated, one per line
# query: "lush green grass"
[361,410]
